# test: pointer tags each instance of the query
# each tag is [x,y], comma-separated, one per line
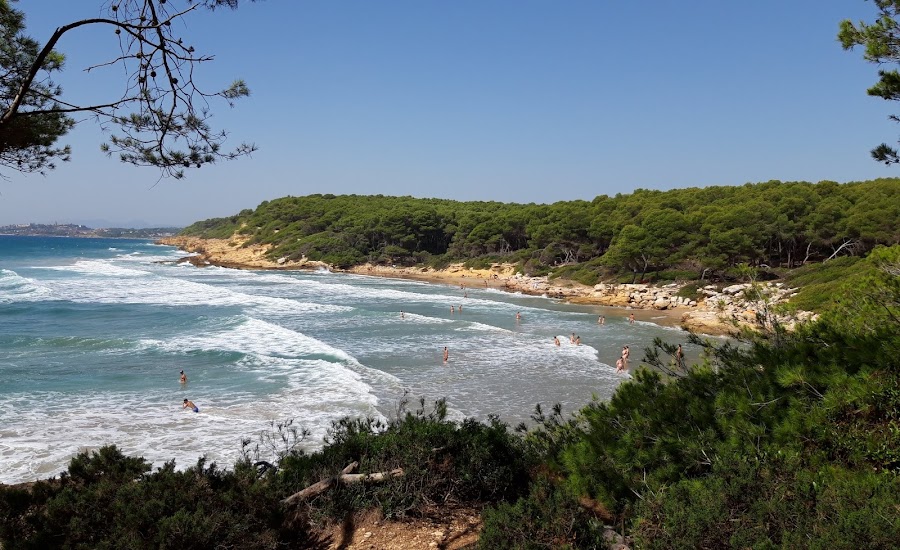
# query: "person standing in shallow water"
[188,404]
[183,378]
[631,319]
[446,354]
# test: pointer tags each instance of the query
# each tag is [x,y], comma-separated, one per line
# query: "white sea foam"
[268,343]
[42,431]
[15,288]
[475,326]
[253,336]
[424,319]
[661,327]
[99,267]
[110,284]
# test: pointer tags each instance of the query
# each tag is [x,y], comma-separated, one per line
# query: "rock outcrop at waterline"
[716,311]
[235,253]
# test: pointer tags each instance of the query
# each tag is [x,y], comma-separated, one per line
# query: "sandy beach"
[721,310]
[235,253]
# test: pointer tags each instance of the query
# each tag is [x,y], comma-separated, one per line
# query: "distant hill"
[73,230]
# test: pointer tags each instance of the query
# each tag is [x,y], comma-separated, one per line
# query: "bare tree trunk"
[846,243]
[807,253]
[344,477]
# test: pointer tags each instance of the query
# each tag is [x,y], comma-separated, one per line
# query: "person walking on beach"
[183,378]
[631,319]
[446,354]
[188,404]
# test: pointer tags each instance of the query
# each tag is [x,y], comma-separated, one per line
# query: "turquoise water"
[93,334]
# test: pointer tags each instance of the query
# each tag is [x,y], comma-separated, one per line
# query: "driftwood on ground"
[345,477]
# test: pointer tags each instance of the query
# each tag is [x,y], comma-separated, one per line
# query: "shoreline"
[718,313]
[466,278]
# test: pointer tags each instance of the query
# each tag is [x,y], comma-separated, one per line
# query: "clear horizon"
[524,102]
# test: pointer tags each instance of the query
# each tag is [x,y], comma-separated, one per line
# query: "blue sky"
[516,100]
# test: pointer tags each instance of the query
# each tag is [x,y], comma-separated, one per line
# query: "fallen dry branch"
[344,477]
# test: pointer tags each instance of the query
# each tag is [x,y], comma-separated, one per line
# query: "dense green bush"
[111,501]
[588,273]
[690,291]
[442,461]
[545,518]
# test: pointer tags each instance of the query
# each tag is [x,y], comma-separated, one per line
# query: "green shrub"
[677,275]
[108,500]
[545,518]
[470,462]
[691,291]
[818,283]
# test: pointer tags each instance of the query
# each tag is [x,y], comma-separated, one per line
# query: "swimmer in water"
[518,316]
[556,340]
[452,310]
[188,404]
[402,315]
[578,340]
[183,378]
[631,319]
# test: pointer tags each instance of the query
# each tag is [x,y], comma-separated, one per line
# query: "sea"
[94,334]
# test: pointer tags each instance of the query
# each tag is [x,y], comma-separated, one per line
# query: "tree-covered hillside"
[699,231]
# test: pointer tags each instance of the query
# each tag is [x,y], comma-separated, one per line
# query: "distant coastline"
[83,231]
